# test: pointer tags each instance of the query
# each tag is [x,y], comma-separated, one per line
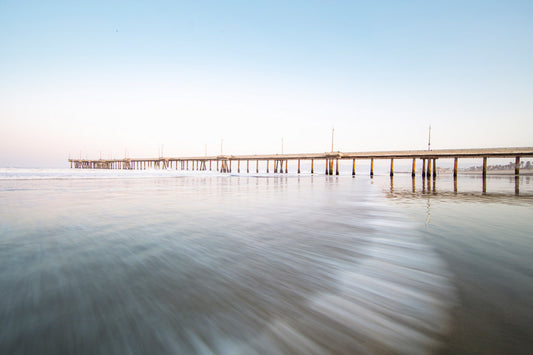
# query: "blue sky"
[120,76]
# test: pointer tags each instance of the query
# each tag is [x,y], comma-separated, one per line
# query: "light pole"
[332,138]
[429,138]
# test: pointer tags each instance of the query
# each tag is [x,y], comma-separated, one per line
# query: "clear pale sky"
[114,76]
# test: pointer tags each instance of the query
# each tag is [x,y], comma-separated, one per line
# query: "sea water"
[170,262]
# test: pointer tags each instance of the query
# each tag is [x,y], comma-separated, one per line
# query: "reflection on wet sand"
[429,186]
[482,229]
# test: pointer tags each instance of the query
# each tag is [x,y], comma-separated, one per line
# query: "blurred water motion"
[214,265]
[264,264]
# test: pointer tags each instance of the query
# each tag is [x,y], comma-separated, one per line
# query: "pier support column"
[337,166]
[428,172]
[484,166]
[353,167]
[327,167]
[286,166]
[257,166]
[413,168]
[424,168]
[455,167]
[392,167]
[434,167]
[312,166]
[517,166]
[371,167]
[238,166]
[298,166]
[267,166]
[247,166]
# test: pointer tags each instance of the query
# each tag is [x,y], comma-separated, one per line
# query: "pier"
[232,163]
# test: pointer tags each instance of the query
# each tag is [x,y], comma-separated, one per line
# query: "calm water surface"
[255,264]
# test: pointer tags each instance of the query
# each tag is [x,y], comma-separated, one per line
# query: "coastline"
[523,172]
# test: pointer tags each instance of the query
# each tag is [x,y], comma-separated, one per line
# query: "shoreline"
[510,173]
[523,172]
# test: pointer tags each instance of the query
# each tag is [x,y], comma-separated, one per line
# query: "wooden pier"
[227,163]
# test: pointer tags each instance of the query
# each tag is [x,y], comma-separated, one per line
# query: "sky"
[134,78]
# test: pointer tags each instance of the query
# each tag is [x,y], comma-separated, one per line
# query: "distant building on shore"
[511,166]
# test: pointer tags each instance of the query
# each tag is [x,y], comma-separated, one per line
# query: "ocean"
[166,262]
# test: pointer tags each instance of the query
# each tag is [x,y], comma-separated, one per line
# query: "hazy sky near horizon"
[112,77]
